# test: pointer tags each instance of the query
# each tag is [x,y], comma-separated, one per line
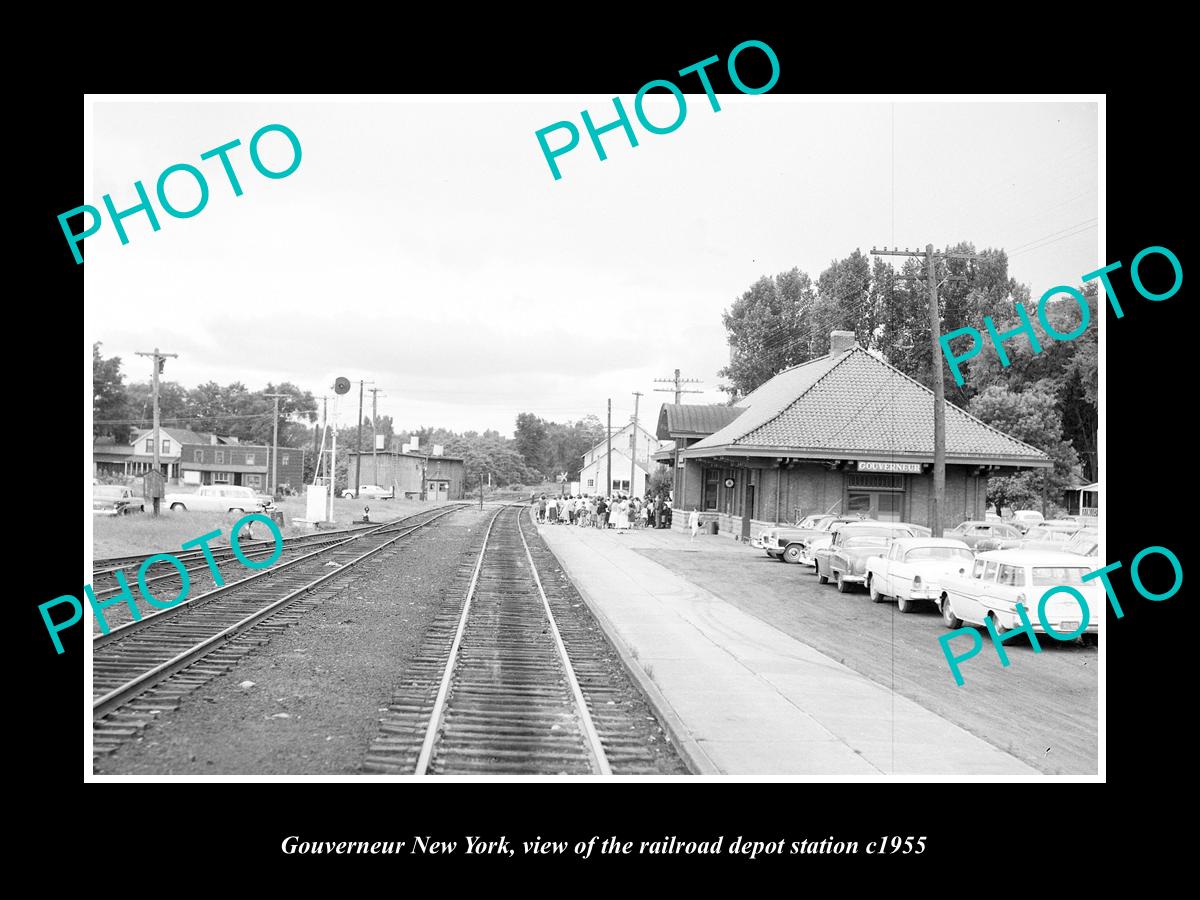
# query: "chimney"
[840,341]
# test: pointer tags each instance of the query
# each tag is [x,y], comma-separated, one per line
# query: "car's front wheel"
[906,604]
[876,597]
[948,616]
[843,586]
[347,495]
[237,509]
[793,553]
[178,507]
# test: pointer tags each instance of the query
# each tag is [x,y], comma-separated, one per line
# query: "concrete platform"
[742,697]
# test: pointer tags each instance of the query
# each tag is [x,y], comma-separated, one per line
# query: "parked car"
[217,498]
[844,561]
[1085,542]
[1000,579]
[370,492]
[787,542]
[971,533]
[115,500]
[1027,518]
[913,568]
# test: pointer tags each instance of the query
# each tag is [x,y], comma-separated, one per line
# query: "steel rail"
[594,746]
[136,625]
[439,703]
[101,706]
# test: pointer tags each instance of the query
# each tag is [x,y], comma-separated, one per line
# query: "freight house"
[845,433]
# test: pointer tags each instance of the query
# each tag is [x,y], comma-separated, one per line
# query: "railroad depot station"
[846,433]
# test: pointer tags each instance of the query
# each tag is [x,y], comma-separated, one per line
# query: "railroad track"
[517,680]
[145,667]
[168,582]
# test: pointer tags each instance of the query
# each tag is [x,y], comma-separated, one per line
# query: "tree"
[533,442]
[660,484]
[771,328]
[1031,416]
[108,397]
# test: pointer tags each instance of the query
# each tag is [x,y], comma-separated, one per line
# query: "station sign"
[905,467]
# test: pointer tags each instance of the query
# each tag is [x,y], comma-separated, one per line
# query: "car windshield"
[1044,576]
[919,553]
[866,540]
[1045,534]
[108,492]
[811,522]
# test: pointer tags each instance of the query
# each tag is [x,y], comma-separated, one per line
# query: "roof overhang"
[778,454]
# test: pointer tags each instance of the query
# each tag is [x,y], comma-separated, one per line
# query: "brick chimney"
[840,341]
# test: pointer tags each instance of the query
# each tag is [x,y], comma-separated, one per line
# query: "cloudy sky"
[424,245]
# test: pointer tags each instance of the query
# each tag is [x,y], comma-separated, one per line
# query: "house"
[226,461]
[633,449]
[845,433]
[137,456]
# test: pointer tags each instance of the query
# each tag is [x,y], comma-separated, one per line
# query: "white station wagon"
[913,568]
[1000,579]
[216,498]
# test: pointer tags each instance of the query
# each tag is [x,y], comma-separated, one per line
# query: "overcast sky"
[423,244]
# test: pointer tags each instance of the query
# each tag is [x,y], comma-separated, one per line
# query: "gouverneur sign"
[911,468]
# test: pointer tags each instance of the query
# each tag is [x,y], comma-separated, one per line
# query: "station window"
[712,483]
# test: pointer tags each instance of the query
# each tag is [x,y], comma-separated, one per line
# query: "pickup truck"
[788,542]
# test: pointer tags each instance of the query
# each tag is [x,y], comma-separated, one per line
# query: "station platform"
[739,696]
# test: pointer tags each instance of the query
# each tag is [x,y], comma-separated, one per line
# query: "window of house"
[220,456]
[220,478]
[591,482]
[166,446]
[632,441]
[712,483]
[249,459]
[252,480]
[149,445]
[198,456]
[283,460]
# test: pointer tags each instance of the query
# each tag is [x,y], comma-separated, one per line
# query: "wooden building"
[845,433]
[414,475]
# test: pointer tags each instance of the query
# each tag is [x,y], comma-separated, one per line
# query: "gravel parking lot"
[1042,708]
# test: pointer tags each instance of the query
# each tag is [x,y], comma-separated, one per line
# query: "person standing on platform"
[694,522]
[551,511]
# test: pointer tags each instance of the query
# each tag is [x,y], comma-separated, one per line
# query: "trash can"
[711,527]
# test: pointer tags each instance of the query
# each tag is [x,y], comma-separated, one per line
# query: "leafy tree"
[660,484]
[533,442]
[108,397]
[771,327]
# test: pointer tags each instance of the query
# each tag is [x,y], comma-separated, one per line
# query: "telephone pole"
[375,435]
[637,396]
[159,360]
[607,452]
[677,386]
[358,443]
[273,481]
[931,258]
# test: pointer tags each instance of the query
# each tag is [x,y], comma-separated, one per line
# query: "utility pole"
[375,435]
[273,481]
[937,504]
[607,452]
[159,360]
[637,396]
[677,386]
[319,439]
[358,445]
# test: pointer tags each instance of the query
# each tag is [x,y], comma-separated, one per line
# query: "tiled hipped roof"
[852,403]
[694,418]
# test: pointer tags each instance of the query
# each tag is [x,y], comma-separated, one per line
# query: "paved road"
[1042,708]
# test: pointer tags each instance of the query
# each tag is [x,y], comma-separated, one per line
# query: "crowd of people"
[620,512]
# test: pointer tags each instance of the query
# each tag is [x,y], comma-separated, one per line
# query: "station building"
[633,449]
[845,433]
[414,475]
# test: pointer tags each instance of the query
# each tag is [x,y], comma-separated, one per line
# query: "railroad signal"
[341,385]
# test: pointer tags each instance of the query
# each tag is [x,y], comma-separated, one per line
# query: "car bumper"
[105,512]
[1062,626]
[854,579]
[925,595]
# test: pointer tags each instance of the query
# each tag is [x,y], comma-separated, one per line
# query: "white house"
[629,457]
